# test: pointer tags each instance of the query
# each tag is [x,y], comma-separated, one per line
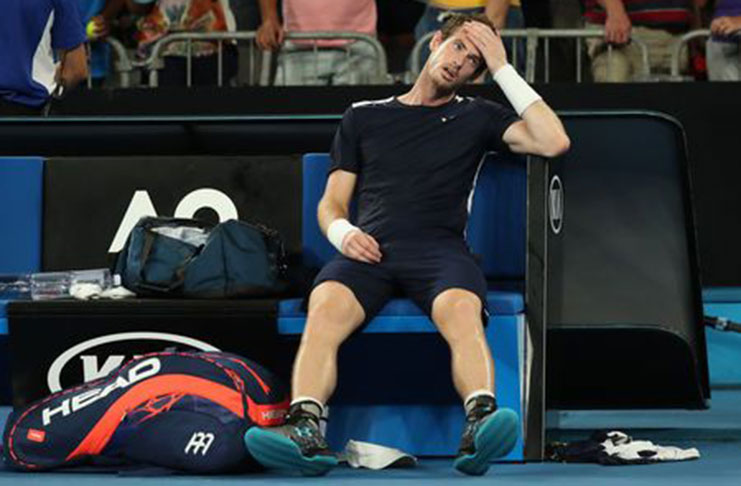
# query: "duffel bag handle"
[149,238]
[148,224]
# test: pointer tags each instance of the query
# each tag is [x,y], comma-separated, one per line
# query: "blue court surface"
[720,465]
[716,433]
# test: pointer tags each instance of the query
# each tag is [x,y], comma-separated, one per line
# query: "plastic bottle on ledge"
[53,285]
[60,285]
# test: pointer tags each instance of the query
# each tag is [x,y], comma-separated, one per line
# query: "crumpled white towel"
[623,446]
[373,456]
[88,291]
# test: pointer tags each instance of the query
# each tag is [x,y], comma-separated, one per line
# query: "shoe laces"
[304,431]
[474,419]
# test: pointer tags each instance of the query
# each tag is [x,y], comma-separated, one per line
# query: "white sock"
[313,405]
[469,400]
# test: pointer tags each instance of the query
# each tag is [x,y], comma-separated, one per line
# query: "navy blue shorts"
[417,270]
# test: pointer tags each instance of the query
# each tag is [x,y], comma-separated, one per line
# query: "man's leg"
[611,66]
[660,44]
[303,66]
[334,313]
[357,65]
[489,432]
[457,315]
[723,61]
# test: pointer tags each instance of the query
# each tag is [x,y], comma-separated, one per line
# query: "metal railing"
[677,51]
[123,65]
[154,61]
[381,75]
[262,63]
[532,38]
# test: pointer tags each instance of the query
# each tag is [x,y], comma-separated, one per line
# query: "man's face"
[453,61]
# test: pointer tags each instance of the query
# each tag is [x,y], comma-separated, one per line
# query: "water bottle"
[60,285]
[53,285]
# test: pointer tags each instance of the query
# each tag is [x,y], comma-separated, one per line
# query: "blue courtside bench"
[424,421]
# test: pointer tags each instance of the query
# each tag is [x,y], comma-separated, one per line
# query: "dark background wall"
[707,111]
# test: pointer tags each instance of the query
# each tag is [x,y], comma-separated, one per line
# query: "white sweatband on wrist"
[516,89]
[337,230]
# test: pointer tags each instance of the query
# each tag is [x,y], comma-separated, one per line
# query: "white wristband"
[516,89]
[337,230]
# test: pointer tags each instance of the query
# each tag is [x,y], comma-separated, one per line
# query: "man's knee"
[334,312]
[457,314]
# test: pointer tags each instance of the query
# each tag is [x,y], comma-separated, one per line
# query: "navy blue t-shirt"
[417,165]
[30,30]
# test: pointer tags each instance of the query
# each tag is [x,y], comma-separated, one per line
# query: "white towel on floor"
[622,446]
[373,456]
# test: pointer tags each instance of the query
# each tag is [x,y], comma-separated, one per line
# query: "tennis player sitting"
[412,160]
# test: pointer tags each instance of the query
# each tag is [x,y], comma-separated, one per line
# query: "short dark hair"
[455,21]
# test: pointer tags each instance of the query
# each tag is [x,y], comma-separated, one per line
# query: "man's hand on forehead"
[487,42]
[481,26]
[479,34]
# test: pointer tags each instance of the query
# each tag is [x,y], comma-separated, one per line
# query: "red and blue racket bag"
[175,410]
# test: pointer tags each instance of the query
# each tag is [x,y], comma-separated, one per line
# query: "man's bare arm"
[73,67]
[617,24]
[496,11]
[333,213]
[270,33]
[335,202]
[540,132]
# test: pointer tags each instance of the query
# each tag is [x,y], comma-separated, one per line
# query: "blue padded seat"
[500,303]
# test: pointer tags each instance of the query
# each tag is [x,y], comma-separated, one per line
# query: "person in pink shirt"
[334,62]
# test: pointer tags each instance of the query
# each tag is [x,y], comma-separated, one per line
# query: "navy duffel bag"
[177,257]
[175,410]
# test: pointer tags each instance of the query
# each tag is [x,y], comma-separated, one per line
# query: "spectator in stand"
[658,23]
[503,14]
[42,52]
[162,17]
[334,62]
[723,53]
[100,13]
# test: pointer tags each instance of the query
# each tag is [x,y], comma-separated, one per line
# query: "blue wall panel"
[21,185]
[21,209]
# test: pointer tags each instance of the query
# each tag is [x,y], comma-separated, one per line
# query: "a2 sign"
[141,205]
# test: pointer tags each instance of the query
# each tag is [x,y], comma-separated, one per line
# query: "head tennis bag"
[182,411]
[177,257]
